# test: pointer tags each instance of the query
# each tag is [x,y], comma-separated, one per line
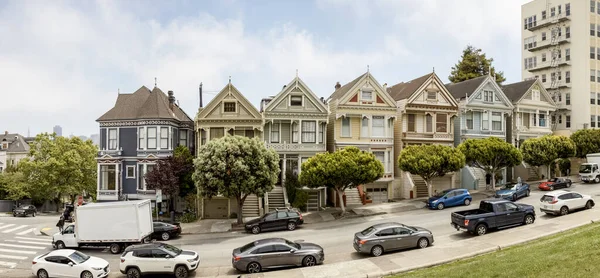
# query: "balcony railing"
[549,64]
[535,46]
[382,140]
[415,135]
[549,21]
[297,147]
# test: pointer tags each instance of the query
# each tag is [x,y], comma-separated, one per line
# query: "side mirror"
[71,264]
[445,197]
[168,256]
[292,251]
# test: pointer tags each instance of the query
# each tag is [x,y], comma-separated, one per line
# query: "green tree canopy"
[587,141]
[547,149]
[60,166]
[430,161]
[173,175]
[473,64]
[490,154]
[14,186]
[186,184]
[236,167]
[342,169]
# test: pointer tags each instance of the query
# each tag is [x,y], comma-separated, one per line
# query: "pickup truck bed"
[492,214]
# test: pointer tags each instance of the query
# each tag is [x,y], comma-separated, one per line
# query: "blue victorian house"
[140,129]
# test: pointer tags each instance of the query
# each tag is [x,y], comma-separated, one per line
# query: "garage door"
[378,193]
[216,208]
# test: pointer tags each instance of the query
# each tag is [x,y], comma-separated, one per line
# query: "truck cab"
[65,239]
[590,171]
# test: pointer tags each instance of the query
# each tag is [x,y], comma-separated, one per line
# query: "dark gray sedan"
[391,236]
[276,252]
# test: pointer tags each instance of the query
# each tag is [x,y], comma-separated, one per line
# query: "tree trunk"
[494,182]
[240,200]
[429,187]
[341,197]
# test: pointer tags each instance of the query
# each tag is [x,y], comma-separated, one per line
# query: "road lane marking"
[16,251]
[6,226]
[21,246]
[8,264]
[12,257]
[25,232]
[14,229]
[33,238]
[27,242]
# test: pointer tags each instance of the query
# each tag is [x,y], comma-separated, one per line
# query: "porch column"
[117,174]
[207,135]
[283,170]
[316,134]
[98,185]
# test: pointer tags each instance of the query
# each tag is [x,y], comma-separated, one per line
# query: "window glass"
[387,232]
[157,253]
[576,195]
[364,128]
[282,214]
[401,231]
[411,123]
[346,127]
[264,250]
[270,216]
[142,253]
[282,248]
[367,231]
[441,124]
[296,100]
[78,257]
[511,207]
[565,196]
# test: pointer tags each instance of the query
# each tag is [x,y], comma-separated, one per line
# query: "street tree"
[430,161]
[340,170]
[59,167]
[545,150]
[183,156]
[14,186]
[473,64]
[172,175]
[236,167]
[491,154]
[587,141]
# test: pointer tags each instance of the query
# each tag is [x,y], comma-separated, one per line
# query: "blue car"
[513,191]
[450,198]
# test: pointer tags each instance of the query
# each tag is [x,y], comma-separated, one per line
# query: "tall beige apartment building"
[561,47]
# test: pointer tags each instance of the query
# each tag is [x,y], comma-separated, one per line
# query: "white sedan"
[69,263]
[561,202]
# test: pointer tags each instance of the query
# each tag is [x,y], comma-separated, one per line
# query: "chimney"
[385,87]
[338,85]
[171,100]
[6,132]
[200,92]
[322,99]
[283,87]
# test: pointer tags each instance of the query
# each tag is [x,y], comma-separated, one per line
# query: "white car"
[561,202]
[69,263]
[138,260]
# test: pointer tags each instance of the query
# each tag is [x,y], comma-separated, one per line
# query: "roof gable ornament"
[155,82]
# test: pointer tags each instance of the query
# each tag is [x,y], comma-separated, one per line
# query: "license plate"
[545,206]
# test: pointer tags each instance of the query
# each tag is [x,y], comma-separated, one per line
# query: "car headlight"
[191,260]
[97,268]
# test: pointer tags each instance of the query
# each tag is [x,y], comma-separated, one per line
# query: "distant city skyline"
[58,130]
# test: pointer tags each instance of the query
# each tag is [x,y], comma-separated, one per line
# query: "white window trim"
[301,101]
[116,138]
[156,147]
[160,137]
[364,130]
[472,120]
[501,122]
[236,107]
[433,123]
[366,91]
[142,131]
[117,176]
[349,128]
[488,120]
[371,125]
[143,178]
[127,171]
[278,133]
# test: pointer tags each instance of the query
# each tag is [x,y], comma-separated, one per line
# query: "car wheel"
[564,211]
[60,245]
[423,243]
[165,236]
[133,273]
[481,229]
[181,272]
[529,219]
[86,274]
[440,206]
[253,267]
[146,240]
[42,273]
[514,197]
[33,214]
[551,188]
[589,205]
[569,184]
[376,251]
[256,230]
[309,261]
[467,202]
[14,215]
[528,192]
[115,248]
[597,179]
[291,226]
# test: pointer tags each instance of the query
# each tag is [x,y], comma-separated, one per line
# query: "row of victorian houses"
[148,125]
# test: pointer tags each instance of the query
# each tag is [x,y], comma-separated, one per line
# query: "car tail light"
[33,262]
[554,201]
[122,260]
[466,222]
[300,216]
[361,242]
[237,258]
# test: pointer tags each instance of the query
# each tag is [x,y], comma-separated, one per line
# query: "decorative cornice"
[228,121]
[274,116]
[367,108]
[144,123]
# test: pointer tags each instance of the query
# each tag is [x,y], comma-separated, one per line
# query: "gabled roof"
[229,88]
[339,93]
[296,82]
[404,90]
[16,143]
[516,91]
[460,89]
[144,104]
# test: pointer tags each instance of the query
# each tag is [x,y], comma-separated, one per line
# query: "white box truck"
[590,172]
[114,225]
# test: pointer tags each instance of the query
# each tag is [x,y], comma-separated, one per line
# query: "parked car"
[69,263]
[276,252]
[385,237]
[25,210]
[450,198]
[138,260]
[278,220]
[555,183]
[165,231]
[513,191]
[561,202]
[493,214]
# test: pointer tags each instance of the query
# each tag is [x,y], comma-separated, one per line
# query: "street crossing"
[16,229]
[16,249]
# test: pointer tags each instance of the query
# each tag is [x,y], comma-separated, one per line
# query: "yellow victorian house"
[362,114]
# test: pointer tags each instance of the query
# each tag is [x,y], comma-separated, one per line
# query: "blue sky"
[63,62]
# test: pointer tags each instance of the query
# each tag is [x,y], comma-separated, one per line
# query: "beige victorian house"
[295,122]
[228,113]
[426,112]
[362,114]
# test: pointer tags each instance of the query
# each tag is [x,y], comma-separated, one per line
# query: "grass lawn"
[574,253]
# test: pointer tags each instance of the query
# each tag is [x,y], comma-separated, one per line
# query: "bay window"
[274,133]
[441,124]
[164,138]
[542,120]
[469,119]
[322,133]
[295,133]
[112,139]
[309,132]
[183,134]
[381,157]
[485,117]
[411,123]
[108,177]
[378,128]
[151,137]
[141,138]
[364,128]
[345,127]
[428,123]
[496,121]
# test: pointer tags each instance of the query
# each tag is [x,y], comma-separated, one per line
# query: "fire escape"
[557,59]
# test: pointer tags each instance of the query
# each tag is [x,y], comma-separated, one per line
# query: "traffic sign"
[159,196]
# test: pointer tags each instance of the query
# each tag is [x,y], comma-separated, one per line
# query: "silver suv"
[276,252]
[138,260]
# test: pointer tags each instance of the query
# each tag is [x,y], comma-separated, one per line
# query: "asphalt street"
[215,250]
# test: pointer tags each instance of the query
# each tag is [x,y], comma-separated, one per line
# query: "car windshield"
[367,231]
[441,194]
[24,207]
[292,244]
[172,249]
[411,228]
[585,169]
[79,257]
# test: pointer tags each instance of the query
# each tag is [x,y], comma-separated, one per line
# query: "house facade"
[426,113]
[228,113]
[13,148]
[295,123]
[362,114]
[140,129]
[484,111]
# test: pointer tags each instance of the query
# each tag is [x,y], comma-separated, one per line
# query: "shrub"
[565,166]
[292,186]
[188,217]
[233,215]
[300,200]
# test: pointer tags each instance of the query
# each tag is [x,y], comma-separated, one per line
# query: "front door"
[160,261]
[284,256]
[270,221]
[69,237]
[267,256]
[282,220]
[387,239]
[514,216]
[576,200]
[451,198]
[404,238]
